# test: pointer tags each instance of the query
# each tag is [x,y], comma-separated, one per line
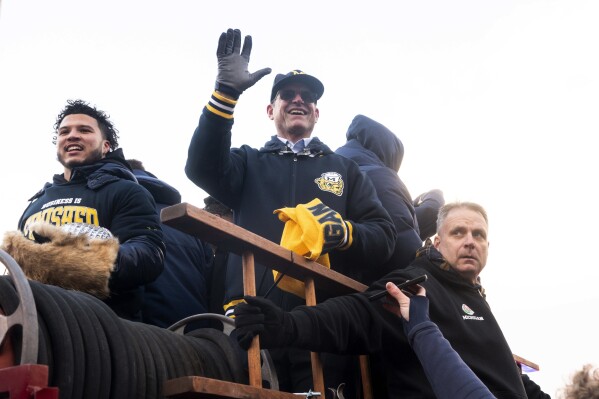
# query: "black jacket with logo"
[107,194]
[353,324]
[254,183]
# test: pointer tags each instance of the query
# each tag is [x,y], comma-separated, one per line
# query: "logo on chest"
[469,313]
[331,182]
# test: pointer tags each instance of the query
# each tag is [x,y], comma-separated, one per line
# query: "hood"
[162,192]
[377,138]
[108,169]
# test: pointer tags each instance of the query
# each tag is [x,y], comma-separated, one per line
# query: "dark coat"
[255,182]
[107,194]
[379,153]
[181,290]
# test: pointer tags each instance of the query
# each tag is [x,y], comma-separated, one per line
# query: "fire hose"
[92,353]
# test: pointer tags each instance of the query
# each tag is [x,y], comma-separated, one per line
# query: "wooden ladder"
[254,248]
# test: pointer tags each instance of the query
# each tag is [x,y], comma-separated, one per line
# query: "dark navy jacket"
[181,290]
[255,182]
[378,152]
[107,194]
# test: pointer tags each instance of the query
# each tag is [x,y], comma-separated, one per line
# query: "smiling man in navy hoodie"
[98,188]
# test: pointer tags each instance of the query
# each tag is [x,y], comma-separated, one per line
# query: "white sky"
[495,101]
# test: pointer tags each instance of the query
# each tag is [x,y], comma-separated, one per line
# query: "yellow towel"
[306,232]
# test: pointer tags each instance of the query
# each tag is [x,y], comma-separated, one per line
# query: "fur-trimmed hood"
[66,260]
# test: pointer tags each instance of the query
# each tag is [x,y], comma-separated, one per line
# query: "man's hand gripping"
[260,316]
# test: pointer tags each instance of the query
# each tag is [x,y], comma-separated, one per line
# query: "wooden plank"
[228,236]
[317,375]
[365,373]
[201,387]
[249,288]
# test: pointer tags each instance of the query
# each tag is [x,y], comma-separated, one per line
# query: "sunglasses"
[289,94]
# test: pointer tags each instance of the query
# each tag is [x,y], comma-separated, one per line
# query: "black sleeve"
[533,391]
[210,163]
[137,226]
[347,324]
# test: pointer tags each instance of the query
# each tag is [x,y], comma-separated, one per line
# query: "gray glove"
[233,75]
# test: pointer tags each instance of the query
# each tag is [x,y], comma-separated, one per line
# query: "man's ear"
[105,148]
[436,241]
[269,111]
[316,114]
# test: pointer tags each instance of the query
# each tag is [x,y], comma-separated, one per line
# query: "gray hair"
[445,209]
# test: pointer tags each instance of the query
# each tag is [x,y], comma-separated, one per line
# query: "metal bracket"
[25,315]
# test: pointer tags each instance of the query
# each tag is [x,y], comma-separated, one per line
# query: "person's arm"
[137,226]
[209,164]
[447,373]
[533,390]
[346,325]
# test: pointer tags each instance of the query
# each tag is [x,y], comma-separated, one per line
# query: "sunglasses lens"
[306,95]
[287,95]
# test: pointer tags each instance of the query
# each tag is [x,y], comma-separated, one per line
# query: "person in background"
[182,288]
[293,170]
[379,153]
[427,206]
[354,324]
[583,385]
[98,188]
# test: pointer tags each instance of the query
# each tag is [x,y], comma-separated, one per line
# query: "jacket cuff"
[221,105]
[349,236]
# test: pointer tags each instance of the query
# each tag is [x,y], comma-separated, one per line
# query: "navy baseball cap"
[297,76]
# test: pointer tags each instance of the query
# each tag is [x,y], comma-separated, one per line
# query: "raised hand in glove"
[233,75]
[260,316]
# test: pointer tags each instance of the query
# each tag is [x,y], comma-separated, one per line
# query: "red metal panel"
[29,381]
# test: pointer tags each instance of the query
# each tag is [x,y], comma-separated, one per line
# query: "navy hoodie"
[378,152]
[106,193]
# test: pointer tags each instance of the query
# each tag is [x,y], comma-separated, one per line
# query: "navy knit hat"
[300,77]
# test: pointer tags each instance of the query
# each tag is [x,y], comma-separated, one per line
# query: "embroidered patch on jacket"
[331,182]
[469,313]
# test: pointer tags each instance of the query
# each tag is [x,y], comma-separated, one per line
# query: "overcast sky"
[495,101]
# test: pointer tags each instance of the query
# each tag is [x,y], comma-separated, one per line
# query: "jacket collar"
[110,168]
[314,148]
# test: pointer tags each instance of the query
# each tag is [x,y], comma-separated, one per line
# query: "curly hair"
[81,107]
[584,384]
